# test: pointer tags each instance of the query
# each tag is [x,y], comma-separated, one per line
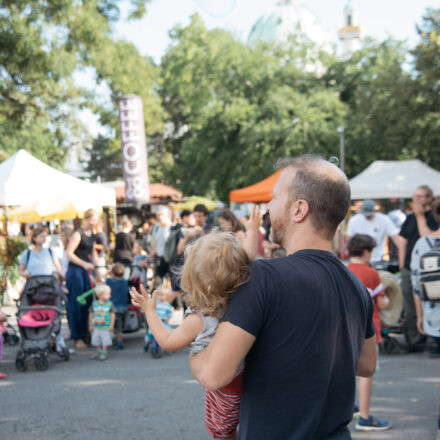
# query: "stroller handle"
[25,309]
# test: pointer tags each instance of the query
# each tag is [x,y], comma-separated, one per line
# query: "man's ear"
[299,210]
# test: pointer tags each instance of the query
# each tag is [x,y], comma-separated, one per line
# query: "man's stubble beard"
[279,228]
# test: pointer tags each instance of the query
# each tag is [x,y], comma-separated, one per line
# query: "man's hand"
[418,207]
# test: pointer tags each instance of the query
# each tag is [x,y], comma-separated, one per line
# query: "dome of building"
[288,17]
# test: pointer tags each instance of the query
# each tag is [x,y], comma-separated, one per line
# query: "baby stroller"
[39,320]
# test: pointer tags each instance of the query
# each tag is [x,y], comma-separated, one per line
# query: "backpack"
[170,249]
[430,273]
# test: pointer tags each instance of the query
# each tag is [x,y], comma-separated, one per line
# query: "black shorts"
[119,320]
[162,267]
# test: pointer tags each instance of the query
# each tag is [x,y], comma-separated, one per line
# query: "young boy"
[163,310]
[101,321]
[360,248]
[119,294]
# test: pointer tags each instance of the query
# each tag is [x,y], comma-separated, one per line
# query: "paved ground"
[132,396]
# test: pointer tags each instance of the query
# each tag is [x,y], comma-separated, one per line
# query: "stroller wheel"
[156,350]
[66,354]
[21,363]
[42,362]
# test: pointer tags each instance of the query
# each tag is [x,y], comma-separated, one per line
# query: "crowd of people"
[273,336]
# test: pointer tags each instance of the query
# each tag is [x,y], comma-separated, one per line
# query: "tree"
[43,45]
[426,138]
[379,91]
[235,109]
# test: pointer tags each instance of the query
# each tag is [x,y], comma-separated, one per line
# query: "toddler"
[215,266]
[163,311]
[101,321]
[119,296]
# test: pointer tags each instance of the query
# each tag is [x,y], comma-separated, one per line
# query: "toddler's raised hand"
[143,300]
[255,220]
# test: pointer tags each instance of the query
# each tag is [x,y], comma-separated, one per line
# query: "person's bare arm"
[23,272]
[396,239]
[112,322]
[169,341]
[181,246]
[218,363]
[152,253]
[422,226]
[382,302]
[57,265]
[419,312]
[250,242]
[401,246]
[368,358]
[90,322]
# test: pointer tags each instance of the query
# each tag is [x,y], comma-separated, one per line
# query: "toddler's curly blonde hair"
[215,266]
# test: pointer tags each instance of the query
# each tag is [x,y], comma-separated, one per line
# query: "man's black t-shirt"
[410,231]
[310,316]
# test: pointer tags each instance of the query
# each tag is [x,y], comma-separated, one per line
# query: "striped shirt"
[102,314]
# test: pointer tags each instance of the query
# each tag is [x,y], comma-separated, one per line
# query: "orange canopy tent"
[260,192]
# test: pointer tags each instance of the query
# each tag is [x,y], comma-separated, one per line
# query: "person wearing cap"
[376,225]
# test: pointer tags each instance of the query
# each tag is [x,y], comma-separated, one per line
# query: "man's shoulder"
[357,218]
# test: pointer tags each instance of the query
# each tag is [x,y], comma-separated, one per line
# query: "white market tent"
[393,179]
[44,191]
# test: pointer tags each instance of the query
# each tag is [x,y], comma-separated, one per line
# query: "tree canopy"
[218,112]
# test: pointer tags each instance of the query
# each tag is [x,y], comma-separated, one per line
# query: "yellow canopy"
[192,201]
[49,209]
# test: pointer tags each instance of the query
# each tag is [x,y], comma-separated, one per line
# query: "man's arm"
[401,246]
[367,360]
[217,364]
[396,239]
[422,225]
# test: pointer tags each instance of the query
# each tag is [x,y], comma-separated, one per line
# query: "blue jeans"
[77,282]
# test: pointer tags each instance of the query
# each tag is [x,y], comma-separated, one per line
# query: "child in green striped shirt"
[101,321]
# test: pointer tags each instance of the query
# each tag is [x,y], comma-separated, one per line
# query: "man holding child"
[303,323]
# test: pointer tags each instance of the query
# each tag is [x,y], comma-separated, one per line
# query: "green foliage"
[235,109]
[43,44]
[379,93]
[218,113]
[10,249]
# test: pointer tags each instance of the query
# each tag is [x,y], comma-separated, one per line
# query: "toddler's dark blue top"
[119,289]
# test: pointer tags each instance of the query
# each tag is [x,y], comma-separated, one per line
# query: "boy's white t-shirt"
[377,227]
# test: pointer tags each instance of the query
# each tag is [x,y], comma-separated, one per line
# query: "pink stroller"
[39,320]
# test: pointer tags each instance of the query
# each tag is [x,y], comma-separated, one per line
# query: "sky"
[379,19]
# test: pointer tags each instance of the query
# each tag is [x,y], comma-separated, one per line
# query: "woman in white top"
[38,260]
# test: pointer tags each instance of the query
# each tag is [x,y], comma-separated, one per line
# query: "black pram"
[39,319]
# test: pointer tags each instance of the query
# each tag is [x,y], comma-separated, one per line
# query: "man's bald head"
[323,186]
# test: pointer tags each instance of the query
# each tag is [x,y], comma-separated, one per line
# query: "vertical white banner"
[134,151]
